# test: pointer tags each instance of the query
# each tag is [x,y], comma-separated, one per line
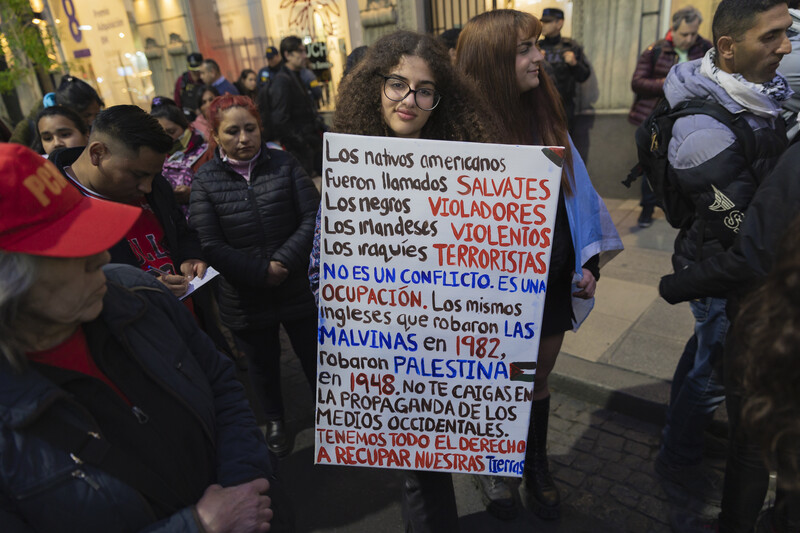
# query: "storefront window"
[322,24]
[99,47]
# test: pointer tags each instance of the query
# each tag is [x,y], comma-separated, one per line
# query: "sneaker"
[497,497]
[682,521]
[697,480]
[646,217]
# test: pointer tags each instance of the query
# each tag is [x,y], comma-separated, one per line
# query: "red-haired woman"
[254,209]
[498,51]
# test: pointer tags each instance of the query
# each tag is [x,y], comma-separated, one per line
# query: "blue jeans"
[697,387]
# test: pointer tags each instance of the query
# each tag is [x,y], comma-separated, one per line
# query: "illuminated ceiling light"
[121,35]
[58,21]
[99,80]
[128,56]
[37,21]
[84,27]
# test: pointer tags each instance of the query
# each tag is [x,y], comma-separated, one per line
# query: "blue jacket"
[224,86]
[43,489]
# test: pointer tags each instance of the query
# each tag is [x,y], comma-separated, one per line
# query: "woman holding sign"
[253,208]
[406,87]
[498,51]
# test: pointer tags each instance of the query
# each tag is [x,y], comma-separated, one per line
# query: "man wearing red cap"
[116,412]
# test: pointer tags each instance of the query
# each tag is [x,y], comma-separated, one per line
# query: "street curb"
[623,391]
[636,395]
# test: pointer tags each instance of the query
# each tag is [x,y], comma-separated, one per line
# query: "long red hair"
[486,52]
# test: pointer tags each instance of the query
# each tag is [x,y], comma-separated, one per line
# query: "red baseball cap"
[41,213]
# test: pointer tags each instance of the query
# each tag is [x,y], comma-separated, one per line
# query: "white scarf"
[757,98]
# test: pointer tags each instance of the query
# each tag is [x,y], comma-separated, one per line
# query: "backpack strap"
[91,448]
[734,122]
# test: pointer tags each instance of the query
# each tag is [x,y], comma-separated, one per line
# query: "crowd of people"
[121,408]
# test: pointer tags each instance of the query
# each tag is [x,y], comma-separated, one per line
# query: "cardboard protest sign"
[434,262]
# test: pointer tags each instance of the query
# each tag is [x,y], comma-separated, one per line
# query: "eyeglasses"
[397,90]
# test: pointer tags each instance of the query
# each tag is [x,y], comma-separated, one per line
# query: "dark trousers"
[649,198]
[429,502]
[263,350]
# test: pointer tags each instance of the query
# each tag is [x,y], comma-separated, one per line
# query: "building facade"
[133,50]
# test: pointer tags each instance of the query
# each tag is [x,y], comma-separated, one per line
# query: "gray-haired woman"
[116,412]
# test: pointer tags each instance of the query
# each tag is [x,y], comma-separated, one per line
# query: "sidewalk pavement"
[624,355]
[610,386]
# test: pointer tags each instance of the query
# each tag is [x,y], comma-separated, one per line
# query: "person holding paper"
[530,112]
[254,209]
[407,87]
[123,163]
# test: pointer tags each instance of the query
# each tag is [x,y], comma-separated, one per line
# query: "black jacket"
[182,241]
[732,273]
[43,490]
[566,76]
[243,226]
[294,116]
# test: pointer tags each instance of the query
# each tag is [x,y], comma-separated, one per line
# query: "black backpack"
[652,144]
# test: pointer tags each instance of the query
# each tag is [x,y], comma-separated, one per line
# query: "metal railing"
[442,15]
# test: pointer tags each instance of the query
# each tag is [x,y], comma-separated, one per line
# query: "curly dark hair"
[768,335]
[461,115]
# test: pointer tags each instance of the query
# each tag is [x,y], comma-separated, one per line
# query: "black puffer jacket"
[243,226]
[733,273]
[294,116]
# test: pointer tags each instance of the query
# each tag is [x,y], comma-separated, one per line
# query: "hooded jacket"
[733,273]
[710,166]
[243,225]
[43,489]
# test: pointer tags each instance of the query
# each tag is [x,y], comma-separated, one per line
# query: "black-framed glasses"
[397,90]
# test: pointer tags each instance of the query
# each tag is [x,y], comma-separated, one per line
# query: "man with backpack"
[719,149]
[681,44]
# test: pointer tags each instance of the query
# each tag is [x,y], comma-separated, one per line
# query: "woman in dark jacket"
[530,113]
[254,209]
